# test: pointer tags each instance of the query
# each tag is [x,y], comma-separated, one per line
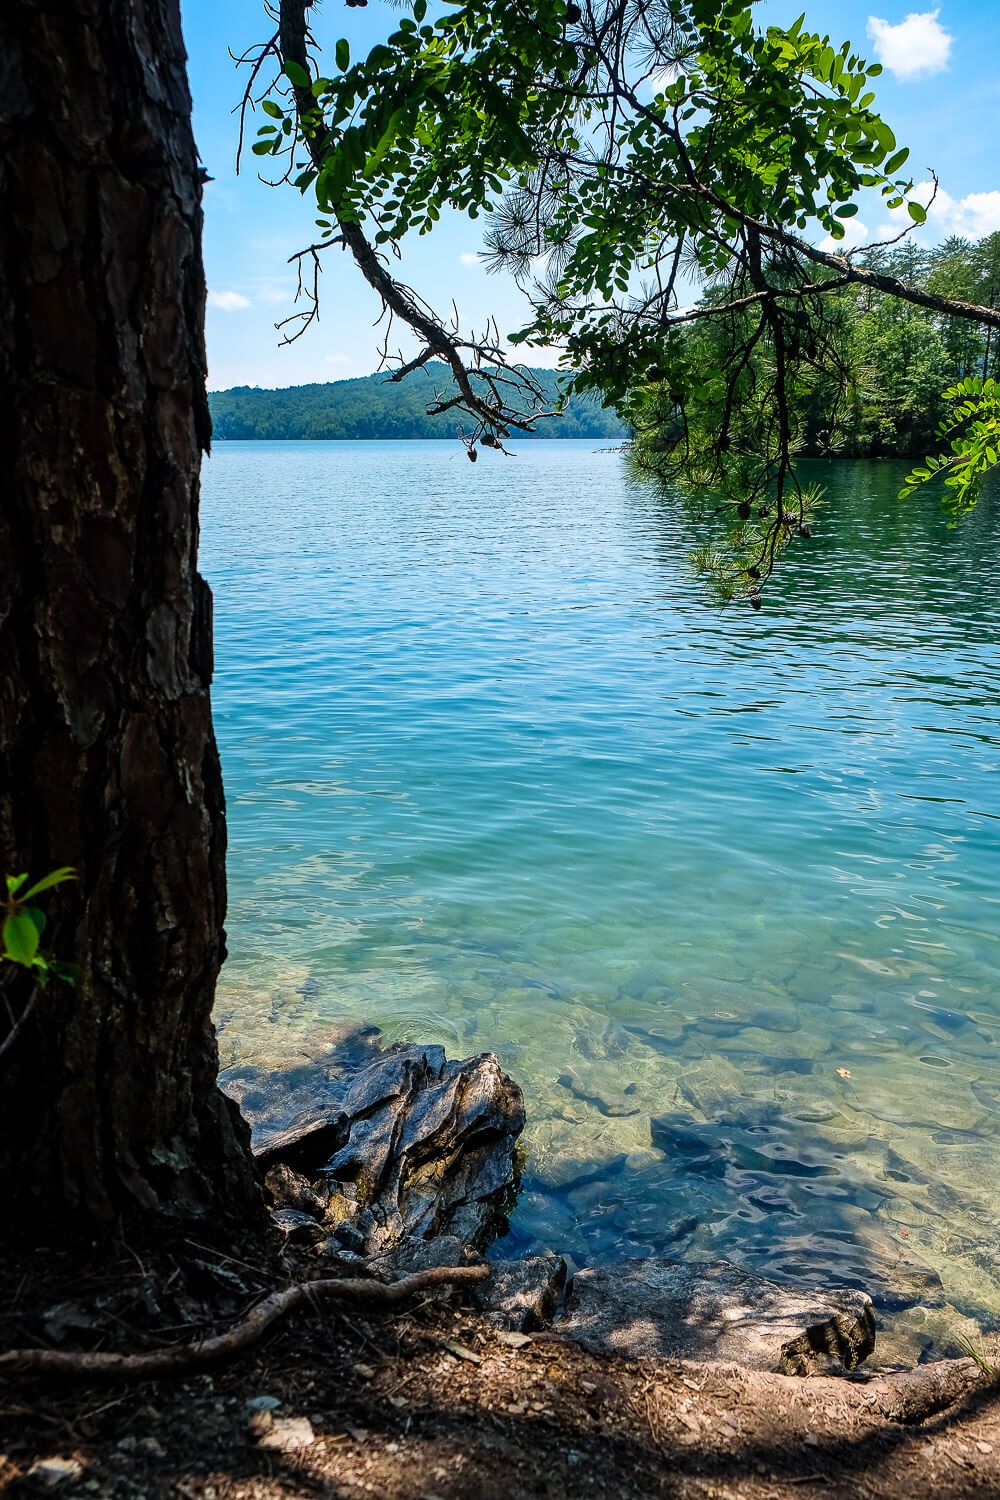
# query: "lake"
[720,888]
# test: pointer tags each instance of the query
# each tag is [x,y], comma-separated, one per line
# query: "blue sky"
[940,93]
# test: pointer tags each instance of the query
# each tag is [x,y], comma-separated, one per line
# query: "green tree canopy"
[620,150]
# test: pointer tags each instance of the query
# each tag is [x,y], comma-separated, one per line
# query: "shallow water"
[719,888]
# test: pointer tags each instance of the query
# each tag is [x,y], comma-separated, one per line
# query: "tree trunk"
[108,1097]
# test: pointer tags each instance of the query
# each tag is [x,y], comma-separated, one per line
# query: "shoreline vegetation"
[872,380]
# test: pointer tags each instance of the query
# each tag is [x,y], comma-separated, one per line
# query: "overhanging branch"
[466,358]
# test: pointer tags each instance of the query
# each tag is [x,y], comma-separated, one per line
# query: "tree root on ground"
[181,1359]
[912,1396]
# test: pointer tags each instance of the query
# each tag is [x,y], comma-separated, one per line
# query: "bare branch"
[18,1025]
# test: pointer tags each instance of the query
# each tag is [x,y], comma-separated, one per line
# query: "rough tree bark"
[108,1099]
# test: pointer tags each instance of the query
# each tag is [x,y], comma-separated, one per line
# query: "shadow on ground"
[435,1403]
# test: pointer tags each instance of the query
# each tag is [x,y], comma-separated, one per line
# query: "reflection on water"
[719,888]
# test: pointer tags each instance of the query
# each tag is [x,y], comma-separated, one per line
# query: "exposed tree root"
[181,1359]
[911,1396]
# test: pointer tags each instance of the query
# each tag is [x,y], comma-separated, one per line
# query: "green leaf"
[55,877]
[68,973]
[270,108]
[14,883]
[296,75]
[20,939]
[883,134]
[37,916]
[895,162]
[342,53]
[917,212]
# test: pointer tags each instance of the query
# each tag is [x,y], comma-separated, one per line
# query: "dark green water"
[719,888]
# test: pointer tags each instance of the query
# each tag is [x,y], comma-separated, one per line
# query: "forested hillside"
[373,407]
[872,370]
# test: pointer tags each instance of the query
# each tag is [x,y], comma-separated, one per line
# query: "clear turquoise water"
[499,777]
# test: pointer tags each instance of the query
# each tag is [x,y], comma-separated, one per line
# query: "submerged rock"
[295,1076]
[901,1282]
[665,1309]
[602,1102]
[758,1144]
[401,1148]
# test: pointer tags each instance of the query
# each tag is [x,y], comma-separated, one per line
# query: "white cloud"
[468,258]
[913,48]
[228,301]
[336,359]
[855,234]
[545,357]
[273,292]
[975,215]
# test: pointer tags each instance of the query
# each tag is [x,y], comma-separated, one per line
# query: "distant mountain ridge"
[372,407]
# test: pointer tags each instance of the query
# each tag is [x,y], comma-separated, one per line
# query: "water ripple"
[499,777]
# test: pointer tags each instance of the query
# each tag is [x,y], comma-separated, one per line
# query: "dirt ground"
[434,1403]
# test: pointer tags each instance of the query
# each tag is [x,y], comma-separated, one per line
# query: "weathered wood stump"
[392,1149]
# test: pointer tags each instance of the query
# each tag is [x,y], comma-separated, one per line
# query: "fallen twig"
[183,1358]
